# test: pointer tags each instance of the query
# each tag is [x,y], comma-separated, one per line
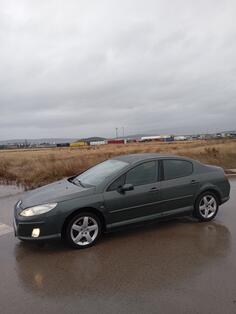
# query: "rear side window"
[142,174]
[174,168]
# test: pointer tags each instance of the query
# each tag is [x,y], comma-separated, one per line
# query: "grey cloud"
[83,68]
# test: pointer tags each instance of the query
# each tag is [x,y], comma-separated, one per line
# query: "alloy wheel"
[84,230]
[207,206]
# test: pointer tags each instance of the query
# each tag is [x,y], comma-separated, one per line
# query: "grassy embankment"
[33,168]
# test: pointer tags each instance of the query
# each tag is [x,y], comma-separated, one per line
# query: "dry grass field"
[34,168]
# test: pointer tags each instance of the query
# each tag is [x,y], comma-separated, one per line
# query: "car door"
[139,202]
[178,185]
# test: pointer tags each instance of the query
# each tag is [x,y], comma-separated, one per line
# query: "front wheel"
[83,230]
[206,206]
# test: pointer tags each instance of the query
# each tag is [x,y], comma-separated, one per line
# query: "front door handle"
[194,181]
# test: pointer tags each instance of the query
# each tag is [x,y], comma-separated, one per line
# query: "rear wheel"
[206,206]
[83,230]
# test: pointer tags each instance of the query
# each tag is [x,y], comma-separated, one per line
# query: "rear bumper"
[225,199]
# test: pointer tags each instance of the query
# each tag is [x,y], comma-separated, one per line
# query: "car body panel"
[55,192]
[142,201]
[178,193]
[152,217]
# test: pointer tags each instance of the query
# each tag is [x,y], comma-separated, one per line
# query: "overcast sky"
[82,68]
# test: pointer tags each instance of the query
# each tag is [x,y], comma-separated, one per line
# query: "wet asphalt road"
[180,266]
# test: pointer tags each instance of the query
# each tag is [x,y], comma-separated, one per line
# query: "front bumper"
[23,231]
[48,226]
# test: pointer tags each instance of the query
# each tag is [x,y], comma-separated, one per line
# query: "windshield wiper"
[77,180]
[74,181]
[81,183]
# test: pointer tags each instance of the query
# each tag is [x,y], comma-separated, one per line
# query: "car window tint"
[174,168]
[143,174]
[116,184]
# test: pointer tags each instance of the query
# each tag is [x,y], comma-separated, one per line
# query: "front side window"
[174,168]
[100,172]
[145,173]
[117,183]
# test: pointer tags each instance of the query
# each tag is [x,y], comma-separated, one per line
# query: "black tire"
[200,203]
[85,235]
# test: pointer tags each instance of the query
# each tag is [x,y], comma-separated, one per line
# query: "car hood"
[55,192]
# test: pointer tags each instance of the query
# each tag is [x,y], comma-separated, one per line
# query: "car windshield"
[100,172]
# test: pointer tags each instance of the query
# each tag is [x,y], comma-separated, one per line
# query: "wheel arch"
[210,189]
[84,209]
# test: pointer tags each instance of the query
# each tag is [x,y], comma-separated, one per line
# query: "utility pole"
[116,132]
[123,129]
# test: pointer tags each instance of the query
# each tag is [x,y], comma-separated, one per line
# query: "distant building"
[131,140]
[116,141]
[150,138]
[96,143]
[160,138]
[63,145]
[230,134]
[79,144]
[180,138]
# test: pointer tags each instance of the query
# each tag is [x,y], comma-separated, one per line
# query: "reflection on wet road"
[179,266]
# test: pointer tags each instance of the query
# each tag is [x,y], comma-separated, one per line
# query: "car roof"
[134,158]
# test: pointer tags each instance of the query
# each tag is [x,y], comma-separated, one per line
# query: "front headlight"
[38,210]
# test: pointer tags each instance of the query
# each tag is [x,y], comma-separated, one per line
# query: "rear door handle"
[154,189]
[194,182]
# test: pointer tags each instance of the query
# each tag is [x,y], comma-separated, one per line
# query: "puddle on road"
[9,195]
[10,190]
[5,229]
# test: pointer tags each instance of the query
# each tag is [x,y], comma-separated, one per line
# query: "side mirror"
[126,187]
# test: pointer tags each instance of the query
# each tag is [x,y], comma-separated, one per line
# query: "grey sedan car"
[125,190]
